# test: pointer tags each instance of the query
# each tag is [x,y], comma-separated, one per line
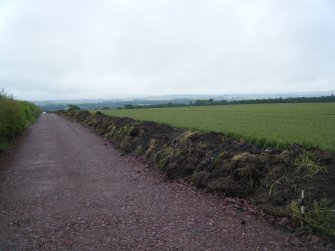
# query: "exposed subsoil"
[64,188]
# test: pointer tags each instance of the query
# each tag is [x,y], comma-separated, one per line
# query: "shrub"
[73,108]
[15,116]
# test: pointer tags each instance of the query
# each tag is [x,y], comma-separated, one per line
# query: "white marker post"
[302,207]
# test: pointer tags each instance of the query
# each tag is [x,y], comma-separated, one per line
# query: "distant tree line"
[73,107]
[108,104]
[207,102]
[323,99]
[180,102]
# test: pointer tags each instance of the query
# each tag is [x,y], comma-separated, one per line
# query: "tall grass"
[318,217]
[15,116]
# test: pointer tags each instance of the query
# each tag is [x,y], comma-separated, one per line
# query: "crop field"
[310,124]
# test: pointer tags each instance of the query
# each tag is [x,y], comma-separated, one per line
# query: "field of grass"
[310,124]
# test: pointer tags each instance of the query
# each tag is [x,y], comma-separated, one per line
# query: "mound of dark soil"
[271,177]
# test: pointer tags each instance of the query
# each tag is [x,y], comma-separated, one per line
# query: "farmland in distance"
[309,124]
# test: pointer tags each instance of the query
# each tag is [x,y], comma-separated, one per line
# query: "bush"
[129,106]
[73,108]
[15,116]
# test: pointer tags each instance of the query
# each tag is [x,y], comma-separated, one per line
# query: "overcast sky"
[67,49]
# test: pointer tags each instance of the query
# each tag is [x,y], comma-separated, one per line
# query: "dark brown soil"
[273,178]
[64,188]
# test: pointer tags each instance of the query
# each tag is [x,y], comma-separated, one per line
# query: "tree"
[128,106]
[73,107]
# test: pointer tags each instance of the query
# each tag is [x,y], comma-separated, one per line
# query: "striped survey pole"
[302,207]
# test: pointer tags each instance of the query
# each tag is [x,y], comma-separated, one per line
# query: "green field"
[265,124]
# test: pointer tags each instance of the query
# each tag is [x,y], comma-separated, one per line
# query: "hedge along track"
[272,178]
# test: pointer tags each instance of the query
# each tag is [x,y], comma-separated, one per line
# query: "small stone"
[232,200]
[271,220]
[284,221]
[252,211]
[309,237]
[239,207]
[315,239]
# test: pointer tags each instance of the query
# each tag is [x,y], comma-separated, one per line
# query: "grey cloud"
[83,49]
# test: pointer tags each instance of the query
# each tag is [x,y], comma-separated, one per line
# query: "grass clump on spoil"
[306,164]
[271,177]
[15,116]
[319,216]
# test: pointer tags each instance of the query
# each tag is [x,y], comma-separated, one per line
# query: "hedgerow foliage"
[15,116]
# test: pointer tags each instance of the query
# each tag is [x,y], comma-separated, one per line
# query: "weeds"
[218,159]
[151,148]
[306,163]
[166,154]
[320,216]
[274,184]
[186,137]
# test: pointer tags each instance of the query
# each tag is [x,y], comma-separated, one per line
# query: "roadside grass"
[279,125]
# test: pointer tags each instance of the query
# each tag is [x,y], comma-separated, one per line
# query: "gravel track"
[64,188]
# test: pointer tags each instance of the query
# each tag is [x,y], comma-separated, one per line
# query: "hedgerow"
[15,116]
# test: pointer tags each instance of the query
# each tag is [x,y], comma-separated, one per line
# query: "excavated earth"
[272,178]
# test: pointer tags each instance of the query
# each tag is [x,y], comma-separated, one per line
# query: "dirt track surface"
[64,188]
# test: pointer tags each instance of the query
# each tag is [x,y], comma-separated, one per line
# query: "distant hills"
[91,104]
